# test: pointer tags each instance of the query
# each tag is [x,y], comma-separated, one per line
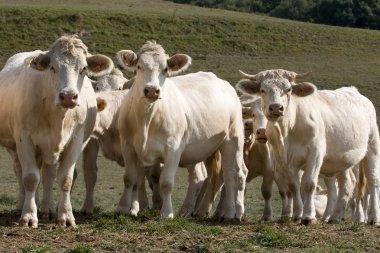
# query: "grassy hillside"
[219,41]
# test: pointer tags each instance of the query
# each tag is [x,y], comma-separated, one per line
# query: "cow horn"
[251,77]
[302,75]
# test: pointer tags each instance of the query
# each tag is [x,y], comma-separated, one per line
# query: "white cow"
[325,132]
[112,81]
[48,112]
[106,137]
[177,121]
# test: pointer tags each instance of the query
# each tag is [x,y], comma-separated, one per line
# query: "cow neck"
[143,112]
[278,131]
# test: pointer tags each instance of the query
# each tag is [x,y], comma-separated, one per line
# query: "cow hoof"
[307,222]
[122,210]
[267,218]
[28,223]
[334,221]
[66,223]
[48,215]
[377,224]
[134,212]
[167,216]
[297,220]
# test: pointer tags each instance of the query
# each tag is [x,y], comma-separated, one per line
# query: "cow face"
[68,63]
[152,65]
[259,121]
[113,81]
[275,88]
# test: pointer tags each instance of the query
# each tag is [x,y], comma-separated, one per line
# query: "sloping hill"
[219,41]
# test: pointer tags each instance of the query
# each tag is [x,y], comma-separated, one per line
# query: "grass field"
[219,41]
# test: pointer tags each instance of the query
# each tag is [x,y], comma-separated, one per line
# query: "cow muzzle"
[275,111]
[152,92]
[68,99]
[260,135]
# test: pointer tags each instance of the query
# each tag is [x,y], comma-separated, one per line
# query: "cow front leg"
[266,191]
[130,180]
[309,183]
[30,180]
[65,175]
[18,172]
[48,207]
[169,170]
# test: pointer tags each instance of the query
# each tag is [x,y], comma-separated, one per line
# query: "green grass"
[219,41]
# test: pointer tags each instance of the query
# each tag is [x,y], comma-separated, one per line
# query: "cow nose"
[276,109]
[260,132]
[260,135]
[152,92]
[68,99]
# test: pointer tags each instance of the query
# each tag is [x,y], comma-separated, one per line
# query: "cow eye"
[165,70]
[83,70]
[289,90]
[52,69]
[138,67]
[262,91]
[253,115]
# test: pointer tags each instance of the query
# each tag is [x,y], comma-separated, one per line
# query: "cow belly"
[199,151]
[342,161]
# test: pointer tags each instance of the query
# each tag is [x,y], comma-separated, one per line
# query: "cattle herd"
[285,131]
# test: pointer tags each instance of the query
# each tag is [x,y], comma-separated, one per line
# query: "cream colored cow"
[177,121]
[327,132]
[48,113]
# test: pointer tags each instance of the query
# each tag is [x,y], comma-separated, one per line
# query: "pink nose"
[68,99]
[152,92]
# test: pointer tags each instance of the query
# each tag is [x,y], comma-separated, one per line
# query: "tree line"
[353,13]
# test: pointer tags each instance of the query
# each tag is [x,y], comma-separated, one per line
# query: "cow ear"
[127,59]
[178,63]
[98,65]
[41,62]
[101,104]
[248,86]
[127,85]
[303,89]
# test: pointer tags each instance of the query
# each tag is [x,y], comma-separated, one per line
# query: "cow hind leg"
[371,169]
[196,180]
[234,174]
[48,207]
[90,169]
[332,195]
[344,195]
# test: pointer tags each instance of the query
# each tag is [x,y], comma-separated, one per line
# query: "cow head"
[275,88]
[68,63]
[259,121]
[152,65]
[112,81]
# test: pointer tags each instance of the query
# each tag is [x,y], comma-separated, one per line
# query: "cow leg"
[48,207]
[211,186]
[153,176]
[18,172]
[30,179]
[143,197]
[197,177]
[294,194]
[234,174]
[332,195]
[90,169]
[371,168]
[345,192]
[65,175]
[171,162]
[309,183]
[266,191]
[286,211]
[131,178]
